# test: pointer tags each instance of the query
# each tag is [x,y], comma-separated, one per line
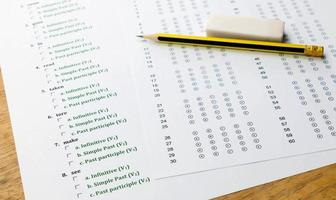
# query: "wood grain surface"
[317,184]
[10,180]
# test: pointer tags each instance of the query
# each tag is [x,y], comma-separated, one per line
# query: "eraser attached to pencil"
[248,28]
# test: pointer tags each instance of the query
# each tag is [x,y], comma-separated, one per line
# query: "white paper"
[205,108]
[69,73]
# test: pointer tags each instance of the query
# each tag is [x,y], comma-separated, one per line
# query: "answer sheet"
[99,114]
[205,108]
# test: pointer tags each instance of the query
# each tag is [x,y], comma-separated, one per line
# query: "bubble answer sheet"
[99,114]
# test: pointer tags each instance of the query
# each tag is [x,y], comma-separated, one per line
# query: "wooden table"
[317,184]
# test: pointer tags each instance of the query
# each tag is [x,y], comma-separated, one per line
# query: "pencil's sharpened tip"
[140,36]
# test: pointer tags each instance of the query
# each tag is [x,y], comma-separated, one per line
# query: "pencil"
[251,45]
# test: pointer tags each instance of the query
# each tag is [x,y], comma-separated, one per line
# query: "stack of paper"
[99,114]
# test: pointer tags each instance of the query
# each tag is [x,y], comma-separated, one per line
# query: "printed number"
[291,141]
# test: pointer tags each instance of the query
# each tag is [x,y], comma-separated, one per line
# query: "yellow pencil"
[252,45]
